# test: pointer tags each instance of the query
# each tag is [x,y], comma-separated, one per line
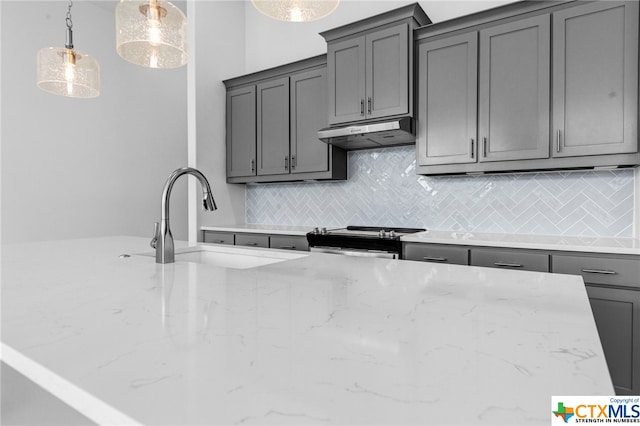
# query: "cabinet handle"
[484,147]
[599,271]
[294,162]
[288,247]
[435,259]
[252,165]
[473,146]
[286,162]
[218,241]
[361,106]
[251,244]
[508,265]
[369,105]
[558,140]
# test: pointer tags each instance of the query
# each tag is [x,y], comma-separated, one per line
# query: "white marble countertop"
[261,229]
[322,339]
[541,242]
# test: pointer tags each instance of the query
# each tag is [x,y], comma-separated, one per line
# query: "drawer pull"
[508,265]
[251,244]
[219,241]
[435,259]
[288,247]
[599,271]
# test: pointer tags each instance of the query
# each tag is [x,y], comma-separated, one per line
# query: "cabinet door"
[273,127]
[447,99]
[346,77]
[595,79]
[514,90]
[617,316]
[308,115]
[241,132]
[387,72]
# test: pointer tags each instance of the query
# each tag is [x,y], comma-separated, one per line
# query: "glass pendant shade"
[296,10]
[151,34]
[68,72]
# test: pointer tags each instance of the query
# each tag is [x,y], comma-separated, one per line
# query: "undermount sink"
[231,257]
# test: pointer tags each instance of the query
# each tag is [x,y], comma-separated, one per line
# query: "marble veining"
[322,339]
[383,189]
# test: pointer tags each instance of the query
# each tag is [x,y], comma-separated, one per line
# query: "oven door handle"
[355,252]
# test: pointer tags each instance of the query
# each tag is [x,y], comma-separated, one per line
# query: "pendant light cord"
[69,22]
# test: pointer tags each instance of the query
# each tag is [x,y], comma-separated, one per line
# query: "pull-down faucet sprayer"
[163,240]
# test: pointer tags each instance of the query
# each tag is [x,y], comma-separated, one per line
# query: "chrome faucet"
[162,239]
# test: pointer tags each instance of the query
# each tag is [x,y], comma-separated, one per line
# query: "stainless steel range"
[370,241]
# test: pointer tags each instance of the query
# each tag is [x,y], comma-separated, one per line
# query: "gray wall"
[85,167]
[218,54]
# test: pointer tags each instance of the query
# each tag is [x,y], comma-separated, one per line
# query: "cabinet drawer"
[218,237]
[599,270]
[252,240]
[507,259]
[436,253]
[289,242]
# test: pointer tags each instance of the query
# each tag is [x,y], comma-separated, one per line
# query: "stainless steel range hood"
[380,134]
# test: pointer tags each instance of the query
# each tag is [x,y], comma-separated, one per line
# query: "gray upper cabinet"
[346,64]
[546,100]
[273,118]
[370,66]
[273,127]
[595,79]
[308,114]
[447,100]
[514,90]
[241,132]
[387,72]
[369,75]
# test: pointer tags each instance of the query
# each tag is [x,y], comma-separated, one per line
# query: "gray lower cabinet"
[216,237]
[252,240]
[613,286]
[617,316]
[289,242]
[438,253]
[516,259]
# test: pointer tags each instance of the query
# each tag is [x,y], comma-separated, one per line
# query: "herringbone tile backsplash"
[383,189]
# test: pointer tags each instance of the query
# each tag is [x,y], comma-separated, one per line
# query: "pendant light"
[151,33]
[68,72]
[296,10]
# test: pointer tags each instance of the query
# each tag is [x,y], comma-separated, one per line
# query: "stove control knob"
[315,231]
[323,231]
[392,234]
[382,234]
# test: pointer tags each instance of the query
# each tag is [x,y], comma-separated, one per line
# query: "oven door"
[356,252]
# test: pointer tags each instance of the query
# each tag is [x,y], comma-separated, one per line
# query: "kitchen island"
[321,339]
